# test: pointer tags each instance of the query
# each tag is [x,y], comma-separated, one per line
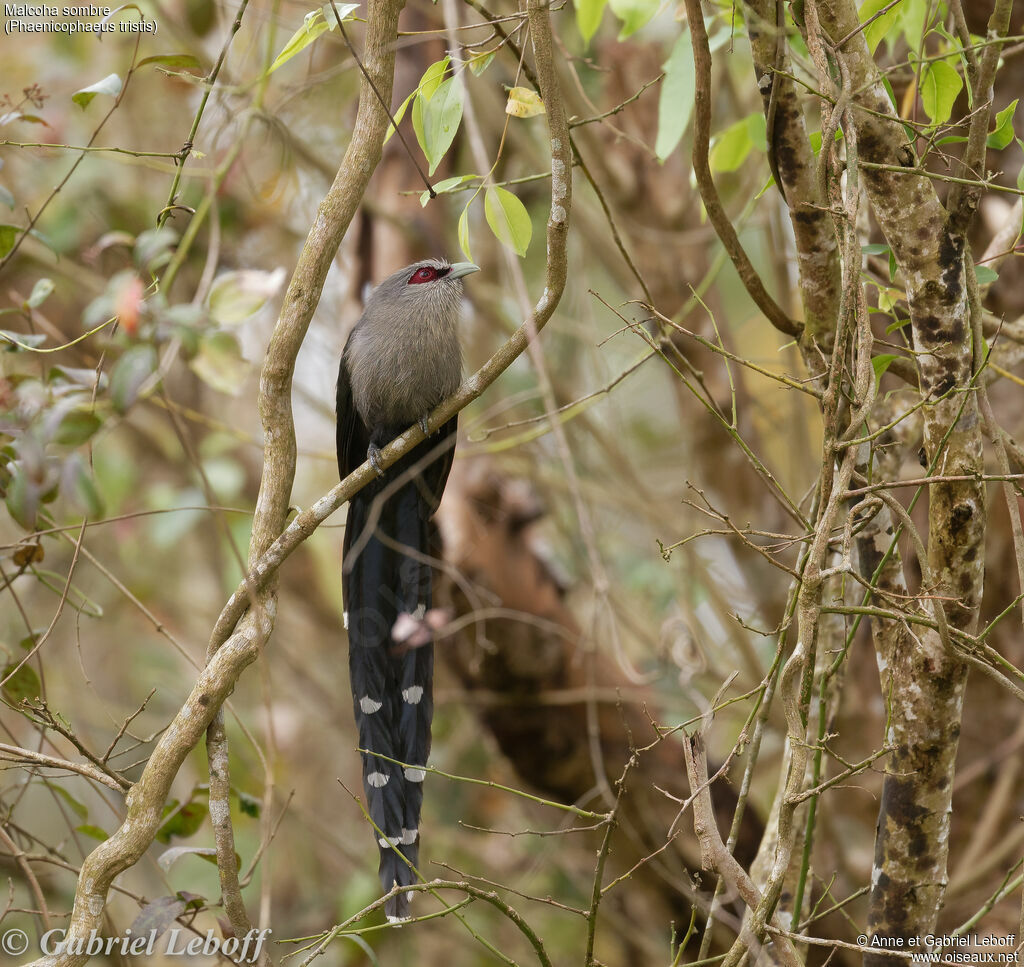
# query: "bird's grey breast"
[404,356]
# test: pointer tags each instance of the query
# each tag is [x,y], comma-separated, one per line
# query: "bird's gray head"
[430,289]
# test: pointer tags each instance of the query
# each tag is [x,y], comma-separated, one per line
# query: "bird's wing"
[352,436]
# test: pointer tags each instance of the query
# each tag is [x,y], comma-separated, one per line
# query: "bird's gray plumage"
[404,357]
[401,360]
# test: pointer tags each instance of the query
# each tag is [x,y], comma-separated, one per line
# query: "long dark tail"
[386,574]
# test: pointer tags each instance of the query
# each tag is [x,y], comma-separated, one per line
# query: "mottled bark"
[926,680]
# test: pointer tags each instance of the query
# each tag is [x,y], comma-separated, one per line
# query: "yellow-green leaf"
[110,85]
[398,115]
[464,233]
[1003,133]
[524,103]
[445,186]
[441,117]
[731,147]
[588,17]
[43,287]
[478,63]
[425,90]
[508,218]
[21,685]
[633,14]
[170,60]
[675,104]
[220,363]
[235,296]
[940,86]
[313,25]
[877,29]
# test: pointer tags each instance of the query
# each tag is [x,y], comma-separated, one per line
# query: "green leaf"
[875,248]
[464,232]
[182,822]
[152,250]
[441,117]
[524,103]
[911,17]
[815,139]
[79,809]
[877,30]
[675,103]
[8,236]
[171,60]
[888,298]
[1003,133]
[40,292]
[236,296]
[633,14]
[313,25]
[940,86]
[887,84]
[432,78]
[110,85]
[425,90]
[81,488]
[22,498]
[881,363]
[955,47]
[444,186]
[249,805]
[757,126]
[77,426]
[220,364]
[588,17]
[398,115]
[92,831]
[731,147]
[131,371]
[508,218]
[23,684]
[985,275]
[478,63]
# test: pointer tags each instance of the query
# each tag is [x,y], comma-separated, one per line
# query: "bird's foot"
[373,455]
[424,425]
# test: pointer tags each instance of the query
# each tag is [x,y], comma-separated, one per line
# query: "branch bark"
[776,315]
[927,685]
[793,167]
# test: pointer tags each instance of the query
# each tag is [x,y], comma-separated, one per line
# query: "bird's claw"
[373,455]
[424,426]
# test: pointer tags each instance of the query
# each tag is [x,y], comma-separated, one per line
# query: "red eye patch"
[427,274]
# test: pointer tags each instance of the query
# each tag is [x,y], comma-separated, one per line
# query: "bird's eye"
[425,274]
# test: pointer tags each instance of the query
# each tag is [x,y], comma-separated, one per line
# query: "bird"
[402,359]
